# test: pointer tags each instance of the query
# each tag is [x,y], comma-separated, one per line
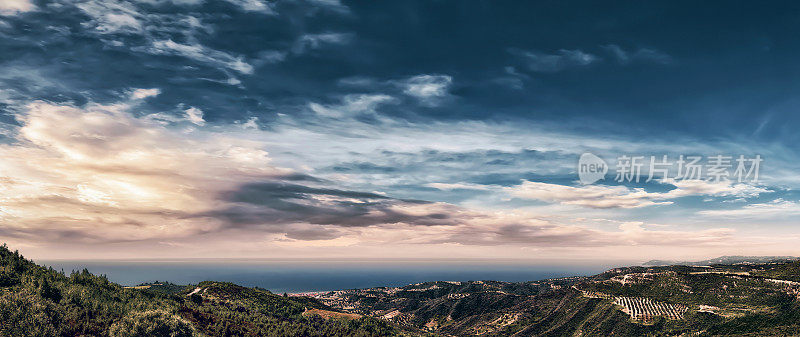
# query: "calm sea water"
[304,276]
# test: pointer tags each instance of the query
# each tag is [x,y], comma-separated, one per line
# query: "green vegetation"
[152,323]
[733,300]
[785,271]
[38,301]
[729,300]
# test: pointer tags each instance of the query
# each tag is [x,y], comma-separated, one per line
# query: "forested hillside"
[37,301]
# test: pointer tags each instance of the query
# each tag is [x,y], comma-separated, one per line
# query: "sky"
[320,129]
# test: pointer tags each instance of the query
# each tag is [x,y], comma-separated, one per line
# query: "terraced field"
[645,309]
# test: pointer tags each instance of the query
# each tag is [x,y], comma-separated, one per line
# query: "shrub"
[155,323]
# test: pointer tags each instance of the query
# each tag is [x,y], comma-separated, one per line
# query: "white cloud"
[254,6]
[352,104]
[636,233]
[777,208]
[159,32]
[107,175]
[602,196]
[195,116]
[251,124]
[11,7]
[429,89]
[594,196]
[112,17]
[548,63]
[98,173]
[144,93]
[717,189]
[457,186]
[202,54]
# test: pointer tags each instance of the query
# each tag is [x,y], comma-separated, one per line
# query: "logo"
[591,168]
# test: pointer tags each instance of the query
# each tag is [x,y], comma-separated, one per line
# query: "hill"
[733,300]
[37,301]
[723,260]
[724,300]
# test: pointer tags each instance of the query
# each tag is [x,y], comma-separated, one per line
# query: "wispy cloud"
[157,33]
[512,78]
[602,196]
[333,5]
[308,42]
[126,17]
[595,196]
[428,89]
[778,208]
[201,54]
[638,55]
[549,63]
[352,105]
[254,6]
[113,17]
[457,186]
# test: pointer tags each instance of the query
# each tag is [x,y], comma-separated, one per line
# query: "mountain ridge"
[725,259]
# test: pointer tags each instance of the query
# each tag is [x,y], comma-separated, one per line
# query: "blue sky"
[406,129]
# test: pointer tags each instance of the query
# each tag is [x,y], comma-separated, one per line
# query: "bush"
[155,323]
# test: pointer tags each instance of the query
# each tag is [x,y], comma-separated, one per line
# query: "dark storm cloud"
[280,203]
[265,192]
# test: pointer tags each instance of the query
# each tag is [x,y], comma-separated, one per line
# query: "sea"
[317,276]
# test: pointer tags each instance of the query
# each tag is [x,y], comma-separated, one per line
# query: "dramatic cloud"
[263,128]
[96,173]
[99,171]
